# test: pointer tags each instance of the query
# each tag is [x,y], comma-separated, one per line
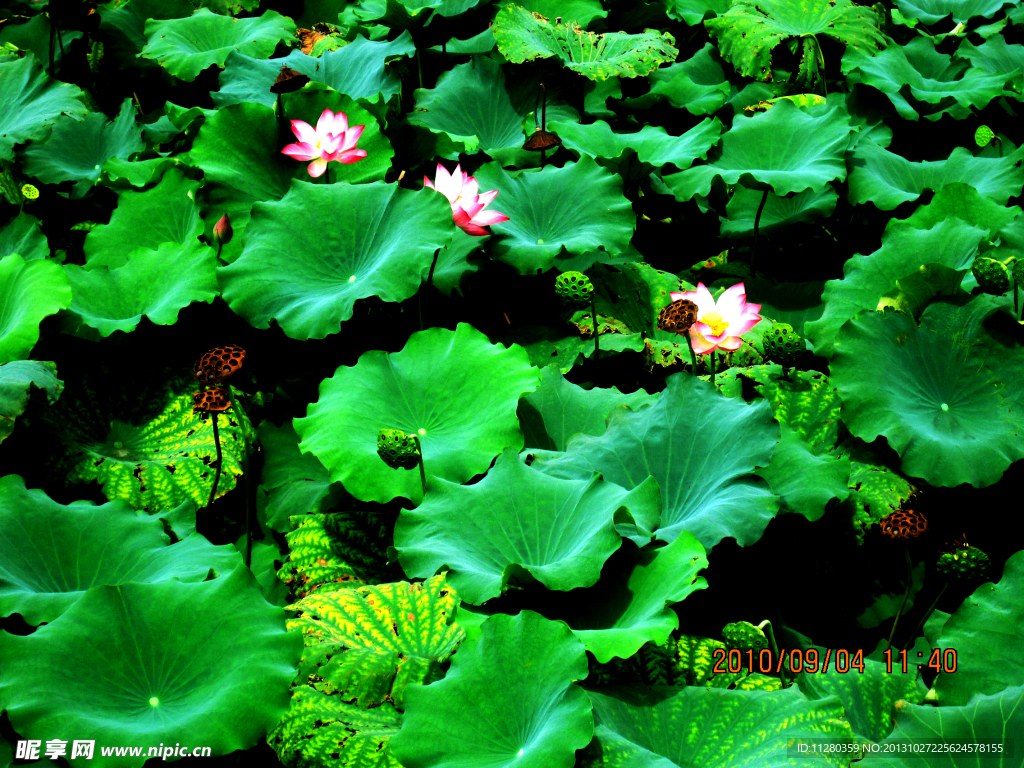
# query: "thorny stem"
[693,355]
[423,471]
[240,416]
[593,317]
[543,118]
[924,617]
[220,247]
[906,594]
[714,354]
[220,458]
[757,226]
[766,626]
[430,282]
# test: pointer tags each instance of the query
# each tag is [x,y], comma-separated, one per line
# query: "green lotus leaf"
[931,390]
[693,12]
[875,490]
[125,25]
[524,36]
[34,35]
[29,291]
[16,381]
[785,302]
[382,638]
[124,665]
[698,84]
[778,212]
[157,284]
[559,409]
[905,249]
[985,633]
[297,483]
[579,207]
[868,697]
[24,235]
[311,255]
[471,106]
[804,480]
[931,11]
[453,389]
[886,179]
[313,562]
[700,447]
[983,720]
[150,219]
[536,718]
[651,143]
[79,546]
[77,149]
[185,47]
[750,29]
[752,155]
[515,520]
[32,102]
[396,14]
[318,724]
[265,557]
[672,727]
[581,11]
[246,79]
[454,263]
[929,76]
[999,58]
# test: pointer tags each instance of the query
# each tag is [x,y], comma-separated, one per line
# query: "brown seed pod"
[217,364]
[288,80]
[212,400]
[904,525]
[678,316]
[541,140]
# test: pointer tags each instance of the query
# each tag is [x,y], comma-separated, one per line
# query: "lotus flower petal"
[461,190]
[304,131]
[303,151]
[330,140]
[317,167]
[720,324]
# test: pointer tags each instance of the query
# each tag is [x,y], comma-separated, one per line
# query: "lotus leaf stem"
[714,354]
[593,317]
[757,226]
[693,355]
[766,627]
[430,282]
[241,415]
[419,457]
[925,615]
[220,457]
[906,594]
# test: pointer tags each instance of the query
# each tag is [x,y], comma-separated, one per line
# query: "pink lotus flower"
[720,324]
[331,140]
[468,206]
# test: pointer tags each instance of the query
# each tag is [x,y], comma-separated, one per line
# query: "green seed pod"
[782,344]
[1017,270]
[992,275]
[983,136]
[967,563]
[397,449]
[574,288]
[745,636]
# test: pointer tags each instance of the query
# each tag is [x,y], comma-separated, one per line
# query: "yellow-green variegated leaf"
[313,562]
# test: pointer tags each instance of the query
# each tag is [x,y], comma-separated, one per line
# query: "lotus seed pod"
[992,275]
[904,525]
[745,636]
[743,357]
[397,449]
[966,563]
[218,364]
[678,316]
[574,287]
[782,344]
[29,192]
[983,136]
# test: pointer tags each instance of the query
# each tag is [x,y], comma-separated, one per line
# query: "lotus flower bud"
[745,636]
[397,449]
[983,136]
[222,231]
[678,316]
[992,275]
[966,563]
[782,344]
[574,288]
[904,526]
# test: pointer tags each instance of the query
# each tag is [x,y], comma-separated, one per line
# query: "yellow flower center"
[718,325]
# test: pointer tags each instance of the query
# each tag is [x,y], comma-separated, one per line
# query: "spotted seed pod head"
[397,449]
[743,357]
[217,364]
[745,636]
[30,192]
[678,316]
[782,344]
[212,400]
[983,135]
[904,525]
[993,277]
[967,563]
[574,288]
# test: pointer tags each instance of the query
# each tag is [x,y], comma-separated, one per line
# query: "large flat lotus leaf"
[693,12]
[868,697]
[559,409]
[24,235]
[669,727]
[926,388]
[124,664]
[311,255]
[471,106]
[579,207]
[452,388]
[931,11]
[16,381]
[804,480]
[700,447]
[77,149]
[32,102]
[985,631]
[312,558]
[905,250]
[454,263]
[778,212]
[79,546]
[527,711]
[157,284]
[164,214]
[524,36]
[560,532]
[581,11]
[784,148]
[931,77]
[698,84]
[985,720]
[125,24]
[750,29]
[886,179]
[34,35]
[29,291]
[652,144]
[997,57]
[296,482]
[185,47]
